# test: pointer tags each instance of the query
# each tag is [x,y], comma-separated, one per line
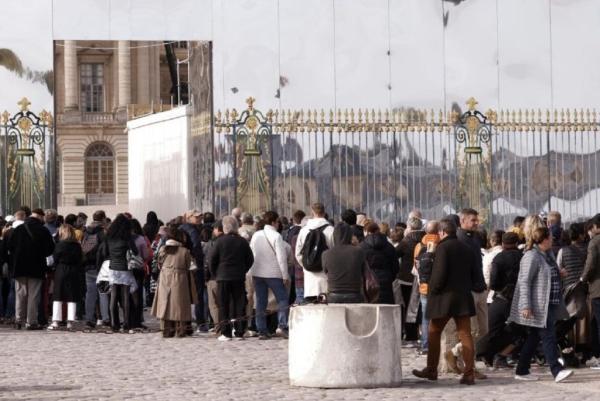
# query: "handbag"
[134,262]
[370,285]
[576,299]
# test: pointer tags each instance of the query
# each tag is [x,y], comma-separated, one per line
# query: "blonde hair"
[531,223]
[385,229]
[66,232]
[539,235]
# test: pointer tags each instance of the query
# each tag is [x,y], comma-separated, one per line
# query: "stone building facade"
[99,86]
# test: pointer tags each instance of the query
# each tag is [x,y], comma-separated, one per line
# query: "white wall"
[334,53]
[158,164]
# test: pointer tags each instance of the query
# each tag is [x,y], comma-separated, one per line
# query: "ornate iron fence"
[387,162]
[26,159]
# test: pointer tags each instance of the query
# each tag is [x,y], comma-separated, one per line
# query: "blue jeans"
[424,324]
[91,298]
[299,295]
[7,292]
[549,345]
[200,289]
[596,312]
[262,285]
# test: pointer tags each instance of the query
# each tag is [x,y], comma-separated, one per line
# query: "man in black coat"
[452,279]
[29,246]
[229,261]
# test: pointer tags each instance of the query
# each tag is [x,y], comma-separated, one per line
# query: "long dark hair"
[136,227]
[175,234]
[152,226]
[120,228]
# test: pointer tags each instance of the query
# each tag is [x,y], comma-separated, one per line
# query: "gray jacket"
[533,291]
[591,272]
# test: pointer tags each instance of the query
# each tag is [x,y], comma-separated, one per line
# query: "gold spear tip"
[250,101]
[471,102]
[24,104]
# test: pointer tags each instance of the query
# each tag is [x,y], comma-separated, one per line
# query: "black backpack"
[424,262]
[314,246]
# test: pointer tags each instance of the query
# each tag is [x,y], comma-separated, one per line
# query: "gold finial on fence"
[250,102]
[24,104]
[472,103]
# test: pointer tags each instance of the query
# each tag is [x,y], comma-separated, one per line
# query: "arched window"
[99,174]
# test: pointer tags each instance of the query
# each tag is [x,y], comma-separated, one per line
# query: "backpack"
[314,246]
[89,243]
[424,262]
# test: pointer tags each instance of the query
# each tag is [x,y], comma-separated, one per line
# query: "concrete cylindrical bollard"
[345,345]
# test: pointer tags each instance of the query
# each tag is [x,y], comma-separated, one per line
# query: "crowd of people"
[489,297]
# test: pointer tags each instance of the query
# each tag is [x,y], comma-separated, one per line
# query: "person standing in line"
[315,282]
[192,228]
[211,283]
[29,245]
[270,271]
[504,272]
[405,251]
[537,304]
[92,238]
[119,240]
[68,259]
[591,272]
[381,258]
[453,277]
[344,265]
[229,261]
[424,256]
[174,298]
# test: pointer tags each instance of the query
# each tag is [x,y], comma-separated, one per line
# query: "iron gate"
[26,159]
[387,162]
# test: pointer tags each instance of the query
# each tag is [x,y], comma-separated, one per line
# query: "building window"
[99,173]
[92,88]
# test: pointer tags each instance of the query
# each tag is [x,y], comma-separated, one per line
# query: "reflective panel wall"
[388,54]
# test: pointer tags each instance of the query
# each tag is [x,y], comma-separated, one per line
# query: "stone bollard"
[345,346]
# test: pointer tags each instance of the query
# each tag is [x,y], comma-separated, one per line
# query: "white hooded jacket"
[314,283]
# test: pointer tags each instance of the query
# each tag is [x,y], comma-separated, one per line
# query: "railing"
[91,118]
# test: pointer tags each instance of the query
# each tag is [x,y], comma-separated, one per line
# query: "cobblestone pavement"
[40,365]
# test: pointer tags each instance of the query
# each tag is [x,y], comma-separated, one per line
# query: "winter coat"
[406,251]
[591,272]
[116,251]
[451,282]
[344,266]
[230,258]
[475,244]
[68,276]
[505,272]
[175,293]
[315,283]
[381,257]
[29,249]
[89,258]
[193,232]
[572,259]
[270,257]
[533,290]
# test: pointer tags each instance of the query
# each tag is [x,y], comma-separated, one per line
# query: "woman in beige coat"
[173,300]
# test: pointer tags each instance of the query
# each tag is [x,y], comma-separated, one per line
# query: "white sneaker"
[527,378]
[224,338]
[98,322]
[562,375]
[53,326]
